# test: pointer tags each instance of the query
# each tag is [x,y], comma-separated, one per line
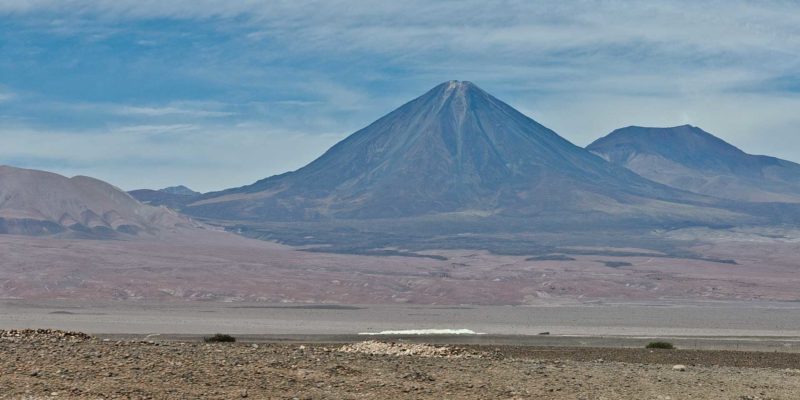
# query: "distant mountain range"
[455,155]
[175,197]
[692,159]
[456,150]
[40,203]
[180,190]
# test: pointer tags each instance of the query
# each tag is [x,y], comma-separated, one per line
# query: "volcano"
[456,150]
[689,158]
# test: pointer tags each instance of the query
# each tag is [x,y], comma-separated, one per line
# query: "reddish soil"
[221,266]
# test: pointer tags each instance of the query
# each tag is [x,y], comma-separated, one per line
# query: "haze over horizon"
[145,94]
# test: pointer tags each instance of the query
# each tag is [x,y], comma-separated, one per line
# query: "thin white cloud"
[581,68]
[185,109]
[204,158]
[150,129]
[6,95]
[168,110]
[505,25]
[299,103]
[614,37]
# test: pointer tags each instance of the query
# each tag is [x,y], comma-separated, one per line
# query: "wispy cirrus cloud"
[155,129]
[6,95]
[139,156]
[169,110]
[177,70]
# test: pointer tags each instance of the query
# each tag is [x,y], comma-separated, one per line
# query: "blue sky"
[215,94]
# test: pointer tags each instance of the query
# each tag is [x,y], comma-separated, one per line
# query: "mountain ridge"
[174,197]
[689,158]
[179,190]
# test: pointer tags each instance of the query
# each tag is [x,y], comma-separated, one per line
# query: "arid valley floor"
[299,317]
[219,266]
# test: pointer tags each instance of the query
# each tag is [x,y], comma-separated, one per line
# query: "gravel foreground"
[47,364]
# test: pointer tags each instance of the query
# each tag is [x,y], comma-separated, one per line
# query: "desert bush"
[219,338]
[660,345]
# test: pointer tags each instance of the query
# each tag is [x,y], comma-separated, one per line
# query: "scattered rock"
[679,367]
[402,349]
[91,369]
[39,334]
[343,370]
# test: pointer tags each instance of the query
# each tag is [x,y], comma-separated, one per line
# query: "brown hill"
[37,203]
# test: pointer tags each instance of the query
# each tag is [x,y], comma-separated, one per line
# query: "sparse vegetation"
[551,257]
[617,264]
[660,345]
[219,338]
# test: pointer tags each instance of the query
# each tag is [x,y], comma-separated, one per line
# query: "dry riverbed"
[53,364]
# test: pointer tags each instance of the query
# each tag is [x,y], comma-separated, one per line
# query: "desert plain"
[726,264]
[309,323]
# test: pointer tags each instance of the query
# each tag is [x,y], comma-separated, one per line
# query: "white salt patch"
[424,332]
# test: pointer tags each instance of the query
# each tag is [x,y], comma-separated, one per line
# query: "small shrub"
[219,338]
[660,345]
[617,264]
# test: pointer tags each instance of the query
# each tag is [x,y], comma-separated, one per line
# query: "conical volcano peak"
[456,98]
[456,148]
[460,85]
[458,88]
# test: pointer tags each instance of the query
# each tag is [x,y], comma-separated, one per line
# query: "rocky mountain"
[692,159]
[456,150]
[38,203]
[180,190]
[174,197]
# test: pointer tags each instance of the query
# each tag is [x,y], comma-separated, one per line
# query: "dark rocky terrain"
[41,203]
[180,190]
[174,197]
[52,364]
[689,158]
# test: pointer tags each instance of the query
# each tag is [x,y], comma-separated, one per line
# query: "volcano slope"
[456,149]
[452,163]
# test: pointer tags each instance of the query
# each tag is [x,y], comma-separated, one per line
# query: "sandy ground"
[216,266]
[48,366]
[626,319]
